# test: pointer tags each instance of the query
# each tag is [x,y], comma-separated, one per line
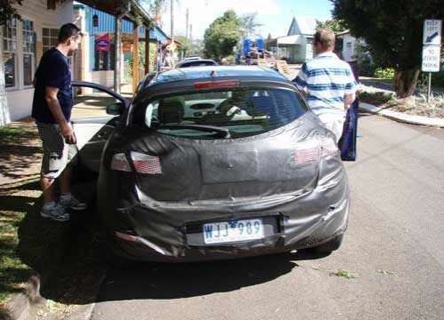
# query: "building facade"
[350,46]
[22,45]
[296,46]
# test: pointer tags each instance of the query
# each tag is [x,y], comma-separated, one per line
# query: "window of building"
[9,53]
[28,51]
[49,38]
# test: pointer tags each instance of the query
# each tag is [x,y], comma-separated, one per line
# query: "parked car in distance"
[220,162]
[196,63]
[190,58]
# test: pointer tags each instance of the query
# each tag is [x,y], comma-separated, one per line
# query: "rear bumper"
[162,235]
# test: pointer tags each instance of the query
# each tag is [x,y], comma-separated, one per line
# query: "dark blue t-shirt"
[53,71]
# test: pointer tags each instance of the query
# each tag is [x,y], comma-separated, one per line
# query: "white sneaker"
[73,203]
[56,213]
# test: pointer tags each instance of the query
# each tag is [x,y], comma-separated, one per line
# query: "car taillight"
[142,163]
[120,163]
[306,154]
[216,84]
[311,152]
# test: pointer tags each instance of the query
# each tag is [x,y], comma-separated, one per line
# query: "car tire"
[330,245]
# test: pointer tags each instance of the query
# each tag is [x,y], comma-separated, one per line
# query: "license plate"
[231,231]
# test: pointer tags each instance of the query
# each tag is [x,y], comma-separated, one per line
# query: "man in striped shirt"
[328,83]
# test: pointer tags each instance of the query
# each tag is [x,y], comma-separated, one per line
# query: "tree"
[249,23]
[393,31]
[335,25]
[7,11]
[222,35]
[157,7]
[185,46]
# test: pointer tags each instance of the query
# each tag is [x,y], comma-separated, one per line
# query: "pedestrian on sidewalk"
[328,83]
[51,108]
[168,62]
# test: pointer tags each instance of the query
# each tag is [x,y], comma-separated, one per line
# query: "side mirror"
[115,109]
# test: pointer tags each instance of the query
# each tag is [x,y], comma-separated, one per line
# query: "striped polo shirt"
[327,79]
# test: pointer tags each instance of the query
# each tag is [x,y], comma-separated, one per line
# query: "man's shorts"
[57,154]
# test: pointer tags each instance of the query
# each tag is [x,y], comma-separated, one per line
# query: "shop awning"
[129,8]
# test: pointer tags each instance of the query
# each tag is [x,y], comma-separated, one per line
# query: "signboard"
[103,43]
[431,49]
[432,32]
[431,55]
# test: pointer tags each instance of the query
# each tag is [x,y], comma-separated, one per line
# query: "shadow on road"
[172,281]
[66,255]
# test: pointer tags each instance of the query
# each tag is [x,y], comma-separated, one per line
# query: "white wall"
[4,110]
[105,78]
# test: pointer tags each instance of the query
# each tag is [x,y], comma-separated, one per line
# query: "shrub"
[384,73]
[375,97]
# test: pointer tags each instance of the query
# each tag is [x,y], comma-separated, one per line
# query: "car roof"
[216,72]
[171,80]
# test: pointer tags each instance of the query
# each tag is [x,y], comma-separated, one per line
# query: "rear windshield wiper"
[225,133]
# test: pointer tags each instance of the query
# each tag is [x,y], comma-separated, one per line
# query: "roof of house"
[304,25]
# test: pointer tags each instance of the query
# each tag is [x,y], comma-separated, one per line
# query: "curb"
[19,306]
[402,117]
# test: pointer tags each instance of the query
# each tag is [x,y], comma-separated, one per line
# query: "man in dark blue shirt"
[51,109]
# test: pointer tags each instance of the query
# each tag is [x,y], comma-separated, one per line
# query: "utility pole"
[186,22]
[172,20]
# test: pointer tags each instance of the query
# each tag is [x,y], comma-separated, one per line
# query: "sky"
[274,15]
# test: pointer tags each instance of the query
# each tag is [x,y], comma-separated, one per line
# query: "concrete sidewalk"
[402,117]
[18,166]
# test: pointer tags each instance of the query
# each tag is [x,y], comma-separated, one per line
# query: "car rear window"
[238,113]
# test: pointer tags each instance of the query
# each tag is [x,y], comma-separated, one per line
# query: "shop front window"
[28,51]
[9,53]
[49,38]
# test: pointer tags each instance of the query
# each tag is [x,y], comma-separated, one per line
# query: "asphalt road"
[394,248]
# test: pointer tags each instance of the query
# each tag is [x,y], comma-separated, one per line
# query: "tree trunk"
[4,110]
[405,82]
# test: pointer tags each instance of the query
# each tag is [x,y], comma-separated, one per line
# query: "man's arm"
[301,79]
[56,110]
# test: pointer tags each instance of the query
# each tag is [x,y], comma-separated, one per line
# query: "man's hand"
[349,99]
[68,133]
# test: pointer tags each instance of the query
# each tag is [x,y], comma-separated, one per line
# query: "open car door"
[92,125]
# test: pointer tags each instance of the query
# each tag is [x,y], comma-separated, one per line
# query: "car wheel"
[330,245]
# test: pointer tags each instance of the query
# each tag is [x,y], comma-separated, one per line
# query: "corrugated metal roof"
[107,25]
